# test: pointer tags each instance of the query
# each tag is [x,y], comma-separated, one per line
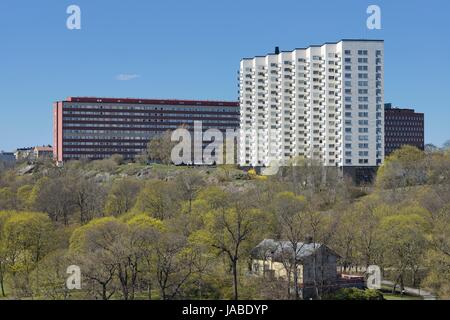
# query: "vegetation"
[158,231]
[356,294]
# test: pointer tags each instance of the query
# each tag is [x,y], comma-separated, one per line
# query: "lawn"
[389,296]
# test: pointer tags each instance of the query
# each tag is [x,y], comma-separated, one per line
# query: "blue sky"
[190,49]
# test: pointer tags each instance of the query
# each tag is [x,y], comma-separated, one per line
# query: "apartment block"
[324,102]
[96,128]
[403,127]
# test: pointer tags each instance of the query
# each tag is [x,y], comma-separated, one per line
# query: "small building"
[23,153]
[7,159]
[316,263]
[44,152]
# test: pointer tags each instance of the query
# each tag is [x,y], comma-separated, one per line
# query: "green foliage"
[122,197]
[160,231]
[356,294]
[159,148]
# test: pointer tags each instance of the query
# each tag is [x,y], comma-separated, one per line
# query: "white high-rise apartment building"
[322,102]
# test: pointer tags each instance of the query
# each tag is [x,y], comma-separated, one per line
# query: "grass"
[389,296]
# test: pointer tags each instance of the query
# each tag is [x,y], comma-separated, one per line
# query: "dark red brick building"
[402,127]
[96,128]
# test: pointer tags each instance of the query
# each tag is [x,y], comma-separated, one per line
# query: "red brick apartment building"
[402,127]
[96,128]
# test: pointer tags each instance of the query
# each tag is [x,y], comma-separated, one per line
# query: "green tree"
[289,210]
[404,243]
[122,196]
[403,168]
[159,149]
[27,238]
[158,199]
[231,226]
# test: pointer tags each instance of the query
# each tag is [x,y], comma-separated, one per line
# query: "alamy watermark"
[211,147]
[74,20]
[374,20]
[73,282]
[374,277]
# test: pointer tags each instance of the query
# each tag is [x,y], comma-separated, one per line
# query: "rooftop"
[321,45]
[280,249]
[152,101]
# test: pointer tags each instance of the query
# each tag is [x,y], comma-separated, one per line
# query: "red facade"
[403,127]
[96,128]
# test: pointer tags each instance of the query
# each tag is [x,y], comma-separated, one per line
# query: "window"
[364,153]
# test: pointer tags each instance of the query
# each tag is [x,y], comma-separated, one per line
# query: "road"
[426,295]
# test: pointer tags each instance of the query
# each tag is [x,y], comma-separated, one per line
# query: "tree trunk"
[235,279]
[297,293]
[2,286]
[104,295]
[149,290]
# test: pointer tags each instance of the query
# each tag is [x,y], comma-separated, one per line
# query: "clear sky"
[190,49]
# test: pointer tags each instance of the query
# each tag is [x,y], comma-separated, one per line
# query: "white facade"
[322,102]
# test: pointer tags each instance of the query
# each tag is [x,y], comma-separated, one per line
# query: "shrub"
[356,294]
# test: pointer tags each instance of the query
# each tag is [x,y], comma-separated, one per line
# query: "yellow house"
[316,264]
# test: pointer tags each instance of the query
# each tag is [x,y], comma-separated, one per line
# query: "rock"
[26,170]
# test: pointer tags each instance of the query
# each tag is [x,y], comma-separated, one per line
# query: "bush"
[356,294]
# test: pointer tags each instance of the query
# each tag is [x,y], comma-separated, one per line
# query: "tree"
[54,196]
[430,148]
[403,168]
[88,198]
[26,238]
[189,184]
[438,256]
[291,218]
[7,199]
[159,149]
[231,224]
[51,281]
[92,245]
[110,250]
[122,196]
[404,243]
[159,199]
[446,145]
[4,260]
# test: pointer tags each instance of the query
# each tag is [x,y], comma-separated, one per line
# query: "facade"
[403,127]
[96,128]
[23,153]
[44,152]
[7,159]
[322,102]
[317,264]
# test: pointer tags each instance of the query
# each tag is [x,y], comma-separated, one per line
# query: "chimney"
[277,50]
